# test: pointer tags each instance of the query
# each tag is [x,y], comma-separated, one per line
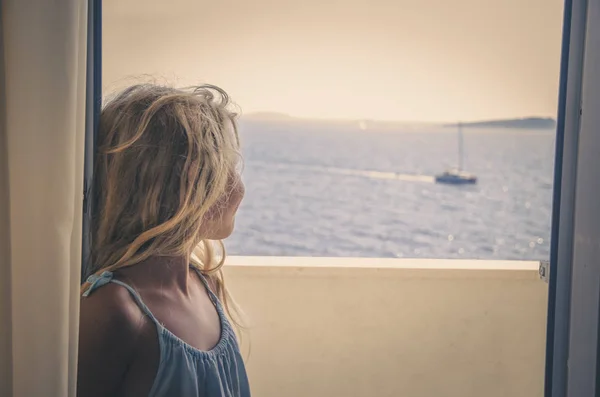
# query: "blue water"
[340,191]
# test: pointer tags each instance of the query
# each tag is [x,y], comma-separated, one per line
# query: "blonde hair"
[164,160]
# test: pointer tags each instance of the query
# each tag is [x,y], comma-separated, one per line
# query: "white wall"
[392,327]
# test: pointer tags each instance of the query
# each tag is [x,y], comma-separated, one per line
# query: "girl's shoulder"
[110,324]
[112,308]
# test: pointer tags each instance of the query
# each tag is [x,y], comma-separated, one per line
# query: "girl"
[165,186]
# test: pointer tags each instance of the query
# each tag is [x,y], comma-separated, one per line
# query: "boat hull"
[455,180]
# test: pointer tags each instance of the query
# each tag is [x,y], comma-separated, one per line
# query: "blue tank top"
[184,370]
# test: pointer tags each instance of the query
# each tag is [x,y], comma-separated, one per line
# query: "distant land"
[282,117]
[523,123]
[267,116]
[518,123]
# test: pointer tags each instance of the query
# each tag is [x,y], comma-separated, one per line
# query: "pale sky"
[405,60]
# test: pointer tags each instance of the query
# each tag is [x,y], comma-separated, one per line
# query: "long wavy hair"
[164,160]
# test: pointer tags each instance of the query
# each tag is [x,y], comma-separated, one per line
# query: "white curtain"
[42,120]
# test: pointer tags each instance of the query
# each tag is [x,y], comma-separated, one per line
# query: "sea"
[347,190]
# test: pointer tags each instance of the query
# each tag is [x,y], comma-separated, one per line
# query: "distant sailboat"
[456,176]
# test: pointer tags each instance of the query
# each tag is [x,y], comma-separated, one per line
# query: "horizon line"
[283,116]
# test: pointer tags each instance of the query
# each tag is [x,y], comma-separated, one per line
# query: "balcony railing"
[391,327]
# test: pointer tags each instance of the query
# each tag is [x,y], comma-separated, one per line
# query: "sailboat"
[456,176]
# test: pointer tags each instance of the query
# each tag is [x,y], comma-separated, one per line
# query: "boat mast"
[460,147]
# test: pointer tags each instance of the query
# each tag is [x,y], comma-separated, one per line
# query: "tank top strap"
[97,281]
[211,294]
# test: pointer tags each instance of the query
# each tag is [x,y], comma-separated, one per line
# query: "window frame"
[92,117]
[572,352]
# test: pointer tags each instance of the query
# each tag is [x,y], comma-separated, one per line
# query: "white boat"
[456,176]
